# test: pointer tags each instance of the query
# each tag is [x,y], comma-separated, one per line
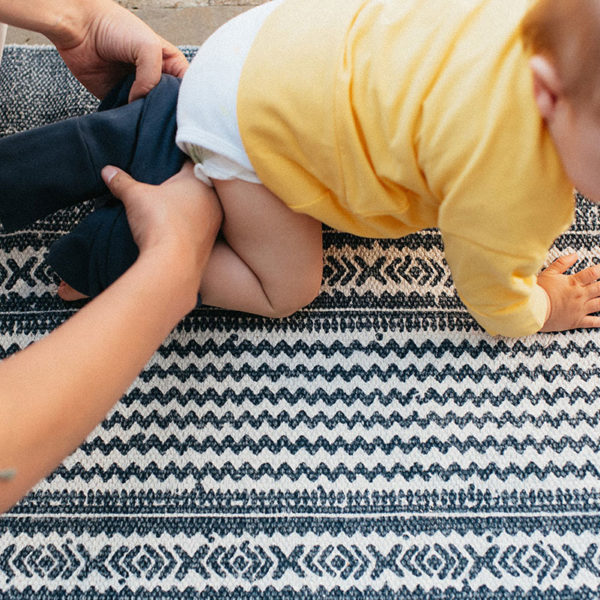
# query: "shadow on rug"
[376,445]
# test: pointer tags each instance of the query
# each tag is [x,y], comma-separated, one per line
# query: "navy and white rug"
[376,445]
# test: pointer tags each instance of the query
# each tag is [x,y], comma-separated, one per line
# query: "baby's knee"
[297,293]
[286,308]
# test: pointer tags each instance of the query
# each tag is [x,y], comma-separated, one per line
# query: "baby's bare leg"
[269,260]
[66,292]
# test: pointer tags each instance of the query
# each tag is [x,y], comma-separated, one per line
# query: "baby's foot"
[67,293]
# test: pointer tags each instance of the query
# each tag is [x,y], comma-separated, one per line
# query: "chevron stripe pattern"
[376,445]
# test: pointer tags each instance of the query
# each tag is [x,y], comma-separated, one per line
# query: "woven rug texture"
[376,445]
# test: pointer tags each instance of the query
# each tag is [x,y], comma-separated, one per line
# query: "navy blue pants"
[58,165]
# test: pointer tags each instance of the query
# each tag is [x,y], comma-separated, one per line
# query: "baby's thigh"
[282,247]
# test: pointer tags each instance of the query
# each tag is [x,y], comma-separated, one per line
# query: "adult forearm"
[76,374]
[57,19]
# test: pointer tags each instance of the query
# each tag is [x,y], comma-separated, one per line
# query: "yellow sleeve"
[497,232]
[505,201]
[498,289]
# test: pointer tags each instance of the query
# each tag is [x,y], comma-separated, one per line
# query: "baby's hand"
[573,298]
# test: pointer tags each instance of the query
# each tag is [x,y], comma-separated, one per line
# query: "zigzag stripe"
[482,397]
[145,444]
[384,379]
[202,395]
[239,389]
[395,472]
[463,374]
[368,406]
[247,420]
[357,463]
[311,424]
[408,349]
[248,377]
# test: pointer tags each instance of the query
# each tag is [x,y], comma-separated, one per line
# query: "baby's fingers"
[590,322]
[592,305]
[562,263]
[589,275]
[592,290]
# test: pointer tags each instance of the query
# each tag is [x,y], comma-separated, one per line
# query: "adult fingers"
[148,68]
[152,60]
[173,61]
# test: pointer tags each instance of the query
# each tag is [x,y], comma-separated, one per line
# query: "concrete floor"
[190,25]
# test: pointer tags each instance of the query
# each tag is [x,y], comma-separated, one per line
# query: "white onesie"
[207,127]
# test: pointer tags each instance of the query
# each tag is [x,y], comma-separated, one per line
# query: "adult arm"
[53,393]
[99,41]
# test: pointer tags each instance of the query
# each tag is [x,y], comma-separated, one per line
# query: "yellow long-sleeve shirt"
[383,117]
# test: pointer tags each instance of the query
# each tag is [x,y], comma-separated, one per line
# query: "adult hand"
[100,41]
[180,216]
[54,392]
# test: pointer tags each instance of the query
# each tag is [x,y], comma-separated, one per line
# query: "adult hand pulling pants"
[58,165]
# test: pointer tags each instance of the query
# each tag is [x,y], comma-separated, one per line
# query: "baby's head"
[563,37]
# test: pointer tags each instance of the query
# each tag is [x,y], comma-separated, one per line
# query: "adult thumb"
[117,181]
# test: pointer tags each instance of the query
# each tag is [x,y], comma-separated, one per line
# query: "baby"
[383,117]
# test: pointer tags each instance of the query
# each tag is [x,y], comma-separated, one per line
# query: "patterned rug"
[377,445]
